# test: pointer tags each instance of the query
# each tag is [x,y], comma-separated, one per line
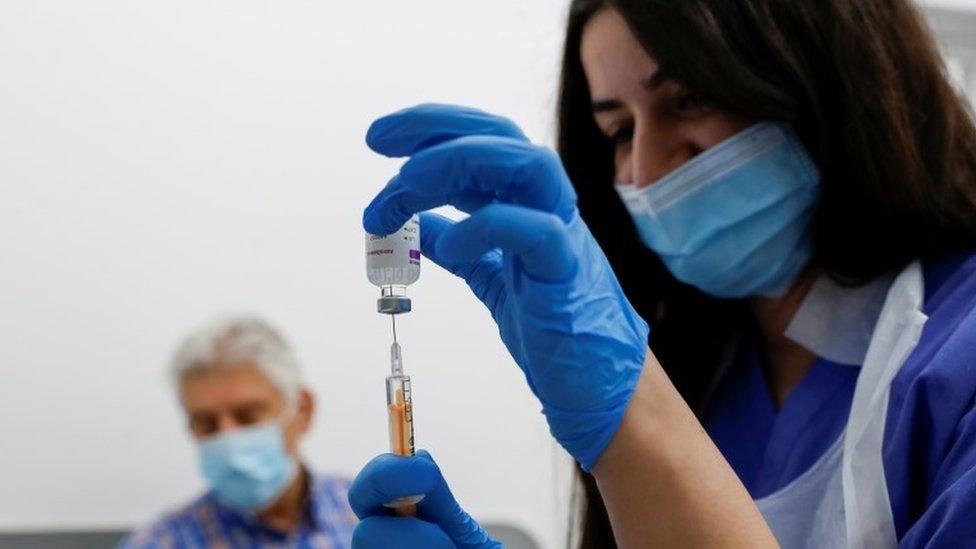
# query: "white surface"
[164,161]
[956,31]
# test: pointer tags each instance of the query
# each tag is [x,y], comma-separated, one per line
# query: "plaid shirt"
[328,524]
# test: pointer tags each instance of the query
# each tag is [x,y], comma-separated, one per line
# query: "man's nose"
[225,423]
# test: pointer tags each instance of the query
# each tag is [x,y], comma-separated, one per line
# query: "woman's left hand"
[526,253]
[440,521]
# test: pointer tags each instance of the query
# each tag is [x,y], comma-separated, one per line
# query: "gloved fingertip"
[379,218]
[433,224]
[367,218]
[375,134]
[371,223]
[431,227]
[385,134]
[423,467]
[450,248]
[443,251]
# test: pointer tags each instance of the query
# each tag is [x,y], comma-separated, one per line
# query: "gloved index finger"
[473,170]
[410,130]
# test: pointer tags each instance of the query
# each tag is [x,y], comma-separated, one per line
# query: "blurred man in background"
[246,407]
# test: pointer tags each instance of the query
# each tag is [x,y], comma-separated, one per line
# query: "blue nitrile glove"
[526,253]
[440,521]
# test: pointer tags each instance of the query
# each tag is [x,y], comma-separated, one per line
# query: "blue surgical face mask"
[734,221]
[247,468]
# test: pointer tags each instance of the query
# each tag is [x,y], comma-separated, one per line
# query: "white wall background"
[164,161]
[956,28]
[161,162]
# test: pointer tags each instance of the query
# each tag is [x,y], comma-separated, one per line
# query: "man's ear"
[306,410]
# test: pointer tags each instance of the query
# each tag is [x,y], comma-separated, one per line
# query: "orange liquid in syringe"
[401,426]
[401,444]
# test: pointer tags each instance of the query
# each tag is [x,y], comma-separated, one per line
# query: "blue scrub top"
[930,433]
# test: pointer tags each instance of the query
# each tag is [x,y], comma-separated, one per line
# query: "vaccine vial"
[392,264]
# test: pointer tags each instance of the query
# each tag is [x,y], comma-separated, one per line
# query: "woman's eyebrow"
[652,82]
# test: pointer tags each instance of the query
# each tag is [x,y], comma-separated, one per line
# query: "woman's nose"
[655,154]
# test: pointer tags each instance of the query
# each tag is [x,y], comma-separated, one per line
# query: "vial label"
[385,276]
[394,258]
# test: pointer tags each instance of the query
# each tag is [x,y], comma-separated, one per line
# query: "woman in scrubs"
[786,193]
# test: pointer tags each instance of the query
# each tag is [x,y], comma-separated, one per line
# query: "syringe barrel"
[399,404]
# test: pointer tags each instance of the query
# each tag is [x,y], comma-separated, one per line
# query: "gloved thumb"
[387,477]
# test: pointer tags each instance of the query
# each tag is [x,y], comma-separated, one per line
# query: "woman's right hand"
[526,254]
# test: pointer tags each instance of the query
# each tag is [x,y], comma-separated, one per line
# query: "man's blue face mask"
[247,468]
[734,221]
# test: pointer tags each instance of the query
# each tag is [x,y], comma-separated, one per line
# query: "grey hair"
[236,341]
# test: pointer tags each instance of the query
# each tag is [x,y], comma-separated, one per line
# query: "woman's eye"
[622,135]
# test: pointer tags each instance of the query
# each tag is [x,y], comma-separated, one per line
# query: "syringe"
[392,264]
[399,403]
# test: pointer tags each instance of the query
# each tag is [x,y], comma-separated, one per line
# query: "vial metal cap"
[393,305]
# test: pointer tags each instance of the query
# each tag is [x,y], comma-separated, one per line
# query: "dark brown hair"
[864,86]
